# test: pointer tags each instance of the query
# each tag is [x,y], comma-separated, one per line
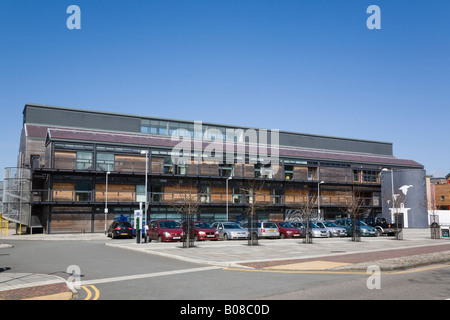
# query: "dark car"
[287,230]
[120,229]
[382,226]
[165,230]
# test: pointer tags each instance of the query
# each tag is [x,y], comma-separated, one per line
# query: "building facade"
[86,168]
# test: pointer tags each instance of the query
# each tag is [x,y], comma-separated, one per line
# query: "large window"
[105,161]
[84,160]
[140,193]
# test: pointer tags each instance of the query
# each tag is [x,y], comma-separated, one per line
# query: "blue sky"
[305,66]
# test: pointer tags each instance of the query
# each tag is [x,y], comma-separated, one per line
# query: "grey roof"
[146,140]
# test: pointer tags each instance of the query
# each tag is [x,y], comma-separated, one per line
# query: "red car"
[165,230]
[287,230]
[203,231]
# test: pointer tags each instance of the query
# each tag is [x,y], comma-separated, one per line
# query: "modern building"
[440,193]
[78,170]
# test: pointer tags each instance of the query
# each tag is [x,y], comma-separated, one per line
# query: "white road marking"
[146,275]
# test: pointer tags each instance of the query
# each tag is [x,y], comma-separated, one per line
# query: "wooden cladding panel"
[65,160]
[116,192]
[127,163]
[219,195]
[209,169]
[279,173]
[246,170]
[71,222]
[335,196]
[262,196]
[292,196]
[180,194]
[63,191]
[336,174]
[300,173]
[157,165]
[442,190]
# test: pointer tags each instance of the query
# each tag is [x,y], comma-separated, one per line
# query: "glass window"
[140,193]
[162,128]
[105,161]
[84,160]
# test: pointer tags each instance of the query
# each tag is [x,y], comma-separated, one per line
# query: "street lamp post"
[392,190]
[318,198]
[226,182]
[146,177]
[106,201]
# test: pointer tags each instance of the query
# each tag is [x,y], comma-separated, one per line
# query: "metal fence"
[16,195]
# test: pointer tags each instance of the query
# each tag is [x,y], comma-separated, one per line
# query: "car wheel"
[379,233]
[225,236]
[282,236]
[112,235]
[159,239]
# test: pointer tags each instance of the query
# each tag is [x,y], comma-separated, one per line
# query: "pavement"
[416,249]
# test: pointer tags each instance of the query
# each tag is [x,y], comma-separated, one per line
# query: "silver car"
[265,229]
[333,229]
[314,230]
[230,230]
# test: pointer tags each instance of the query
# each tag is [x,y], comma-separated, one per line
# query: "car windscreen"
[231,226]
[330,224]
[203,225]
[124,224]
[169,225]
[285,225]
[320,224]
[269,225]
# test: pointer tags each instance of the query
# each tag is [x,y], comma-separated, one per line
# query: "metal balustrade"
[193,169]
[74,196]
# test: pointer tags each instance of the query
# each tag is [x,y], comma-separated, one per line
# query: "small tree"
[303,208]
[353,207]
[431,208]
[187,204]
[254,195]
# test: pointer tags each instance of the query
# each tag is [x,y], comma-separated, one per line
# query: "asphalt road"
[110,273]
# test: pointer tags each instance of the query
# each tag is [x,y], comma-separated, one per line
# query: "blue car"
[364,229]
[144,232]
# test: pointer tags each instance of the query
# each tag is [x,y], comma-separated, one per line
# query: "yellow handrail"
[4,225]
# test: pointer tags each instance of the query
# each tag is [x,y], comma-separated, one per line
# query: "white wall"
[443,216]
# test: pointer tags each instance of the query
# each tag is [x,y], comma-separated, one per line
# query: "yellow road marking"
[280,270]
[310,265]
[89,293]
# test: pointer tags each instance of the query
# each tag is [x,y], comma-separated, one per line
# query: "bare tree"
[186,203]
[431,208]
[303,209]
[354,208]
[257,200]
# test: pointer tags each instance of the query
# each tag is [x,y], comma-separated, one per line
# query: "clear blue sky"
[307,66]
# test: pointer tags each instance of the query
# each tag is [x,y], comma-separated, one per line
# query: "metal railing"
[73,196]
[194,169]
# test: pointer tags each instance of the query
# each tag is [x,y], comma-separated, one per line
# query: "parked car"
[287,230]
[333,230]
[382,226]
[230,230]
[364,229]
[204,231]
[120,229]
[165,230]
[265,229]
[314,230]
